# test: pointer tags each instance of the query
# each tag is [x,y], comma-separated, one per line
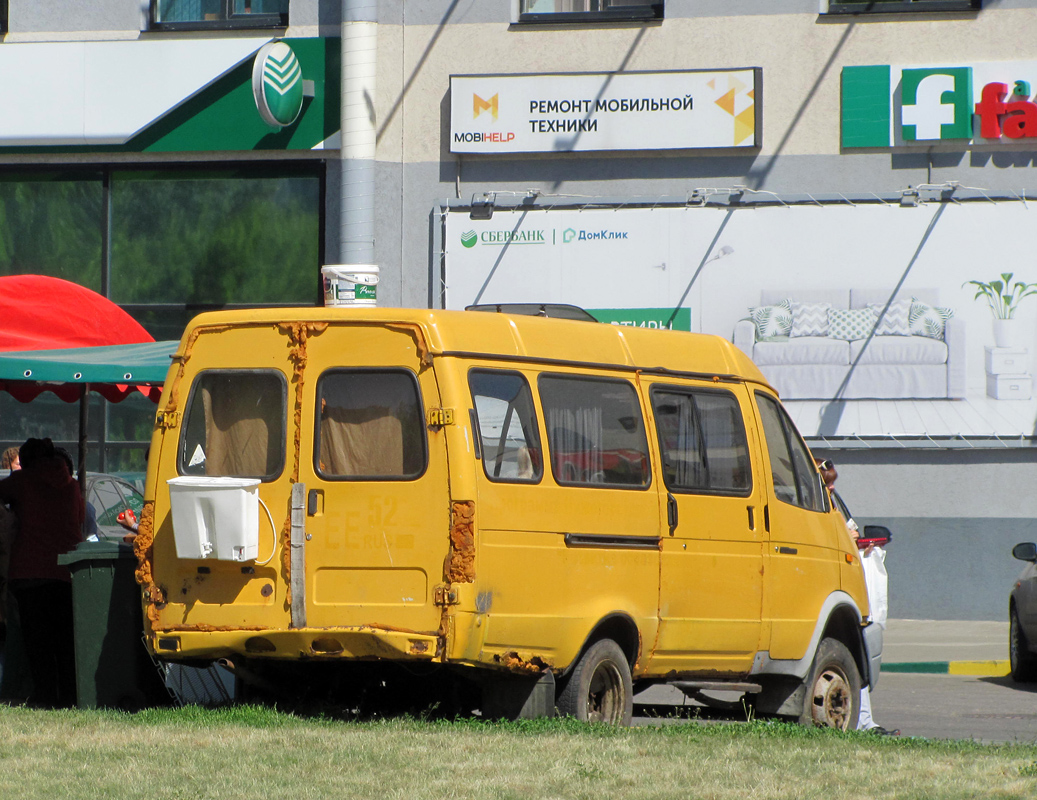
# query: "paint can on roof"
[350,284]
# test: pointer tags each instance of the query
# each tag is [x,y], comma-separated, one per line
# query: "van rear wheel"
[833,689]
[600,688]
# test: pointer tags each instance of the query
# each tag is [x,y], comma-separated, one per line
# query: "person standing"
[50,514]
[873,563]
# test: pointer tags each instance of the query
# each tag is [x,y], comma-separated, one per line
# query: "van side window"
[796,479]
[702,440]
[370,425]
[595,432]
[234,425]
[509,439]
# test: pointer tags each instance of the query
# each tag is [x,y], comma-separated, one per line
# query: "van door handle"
[671,512]
[752,518]
[767,518]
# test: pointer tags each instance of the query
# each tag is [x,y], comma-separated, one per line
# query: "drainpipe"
[359,59]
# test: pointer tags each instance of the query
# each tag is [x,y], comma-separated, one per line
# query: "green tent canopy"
[114,372]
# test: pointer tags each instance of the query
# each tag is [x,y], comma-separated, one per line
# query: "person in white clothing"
[873,560]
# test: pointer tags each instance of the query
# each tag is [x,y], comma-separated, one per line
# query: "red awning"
[38,312]
[43,313]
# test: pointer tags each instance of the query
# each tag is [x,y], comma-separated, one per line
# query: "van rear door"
[377,496]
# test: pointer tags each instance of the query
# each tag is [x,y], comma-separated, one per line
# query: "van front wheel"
[599,688]
[833,689]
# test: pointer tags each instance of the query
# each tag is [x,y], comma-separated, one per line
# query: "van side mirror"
[1026,551]
[878,535]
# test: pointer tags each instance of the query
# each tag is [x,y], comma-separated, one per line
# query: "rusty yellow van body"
[514,499]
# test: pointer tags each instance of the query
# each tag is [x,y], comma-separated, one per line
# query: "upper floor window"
[589,10]
[896,6]
[196,14]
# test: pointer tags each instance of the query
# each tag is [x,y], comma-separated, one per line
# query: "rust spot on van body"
[533,665]
[461,565]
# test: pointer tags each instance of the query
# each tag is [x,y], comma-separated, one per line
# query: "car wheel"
[1022,661]
[833,689]
[600,688]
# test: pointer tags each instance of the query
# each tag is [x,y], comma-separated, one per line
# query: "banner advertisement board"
[604,111]
[864,317]
[889,105]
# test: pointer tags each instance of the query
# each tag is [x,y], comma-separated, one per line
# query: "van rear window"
[595,432]
[235,425]
[702,441]
[370,425]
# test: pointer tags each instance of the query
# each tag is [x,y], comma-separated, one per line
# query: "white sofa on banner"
[823,367]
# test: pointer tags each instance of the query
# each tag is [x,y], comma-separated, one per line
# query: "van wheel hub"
[832,700]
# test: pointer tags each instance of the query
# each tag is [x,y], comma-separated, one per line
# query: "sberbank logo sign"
[277,84]
[509,237]
[884,105]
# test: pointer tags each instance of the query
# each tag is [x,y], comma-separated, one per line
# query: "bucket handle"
[273,530]
[366,279]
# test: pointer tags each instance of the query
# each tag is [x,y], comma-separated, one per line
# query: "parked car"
[1022,616]
[111,495]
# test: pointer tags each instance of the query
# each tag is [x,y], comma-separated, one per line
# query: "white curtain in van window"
[576,443]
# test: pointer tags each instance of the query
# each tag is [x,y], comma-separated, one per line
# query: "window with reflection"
[702,440]
[589,10]
[506,426]
[234,425]
[195,14]
[897,6]
[370,425]
[795,476]
[595,432]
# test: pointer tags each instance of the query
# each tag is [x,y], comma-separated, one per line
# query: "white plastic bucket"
[350,284]
[215,517]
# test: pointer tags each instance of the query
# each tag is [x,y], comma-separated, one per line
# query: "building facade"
[671,164]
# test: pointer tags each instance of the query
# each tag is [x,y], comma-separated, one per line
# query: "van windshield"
[235,425]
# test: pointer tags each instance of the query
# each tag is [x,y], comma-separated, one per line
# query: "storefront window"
[164,245]
[589,10]
[195,14]
[186,242]
[895,6]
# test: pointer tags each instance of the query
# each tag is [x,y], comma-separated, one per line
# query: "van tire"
[833,689]
[600,688]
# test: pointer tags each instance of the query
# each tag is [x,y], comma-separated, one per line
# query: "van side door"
[802,561]
[712,553]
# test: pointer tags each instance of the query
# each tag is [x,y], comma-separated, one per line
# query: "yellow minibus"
[505,513]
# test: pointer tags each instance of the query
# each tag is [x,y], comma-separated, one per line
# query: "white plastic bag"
[876,580]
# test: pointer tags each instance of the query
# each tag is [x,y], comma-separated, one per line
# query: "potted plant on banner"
[1004,297]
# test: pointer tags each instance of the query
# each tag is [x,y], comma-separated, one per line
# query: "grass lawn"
[252,752]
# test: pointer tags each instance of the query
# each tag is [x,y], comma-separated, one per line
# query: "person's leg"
[34,607]
[865,722]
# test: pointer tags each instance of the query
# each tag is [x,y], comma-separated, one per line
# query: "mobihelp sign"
[604,111]
[890,106]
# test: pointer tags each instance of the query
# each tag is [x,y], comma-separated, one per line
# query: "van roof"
[521,338]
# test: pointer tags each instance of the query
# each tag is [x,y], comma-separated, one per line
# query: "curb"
[989,669]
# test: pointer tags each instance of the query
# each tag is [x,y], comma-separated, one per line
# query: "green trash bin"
[113,668]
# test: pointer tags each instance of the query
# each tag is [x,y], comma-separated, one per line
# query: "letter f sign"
[936,103]
[479,105]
